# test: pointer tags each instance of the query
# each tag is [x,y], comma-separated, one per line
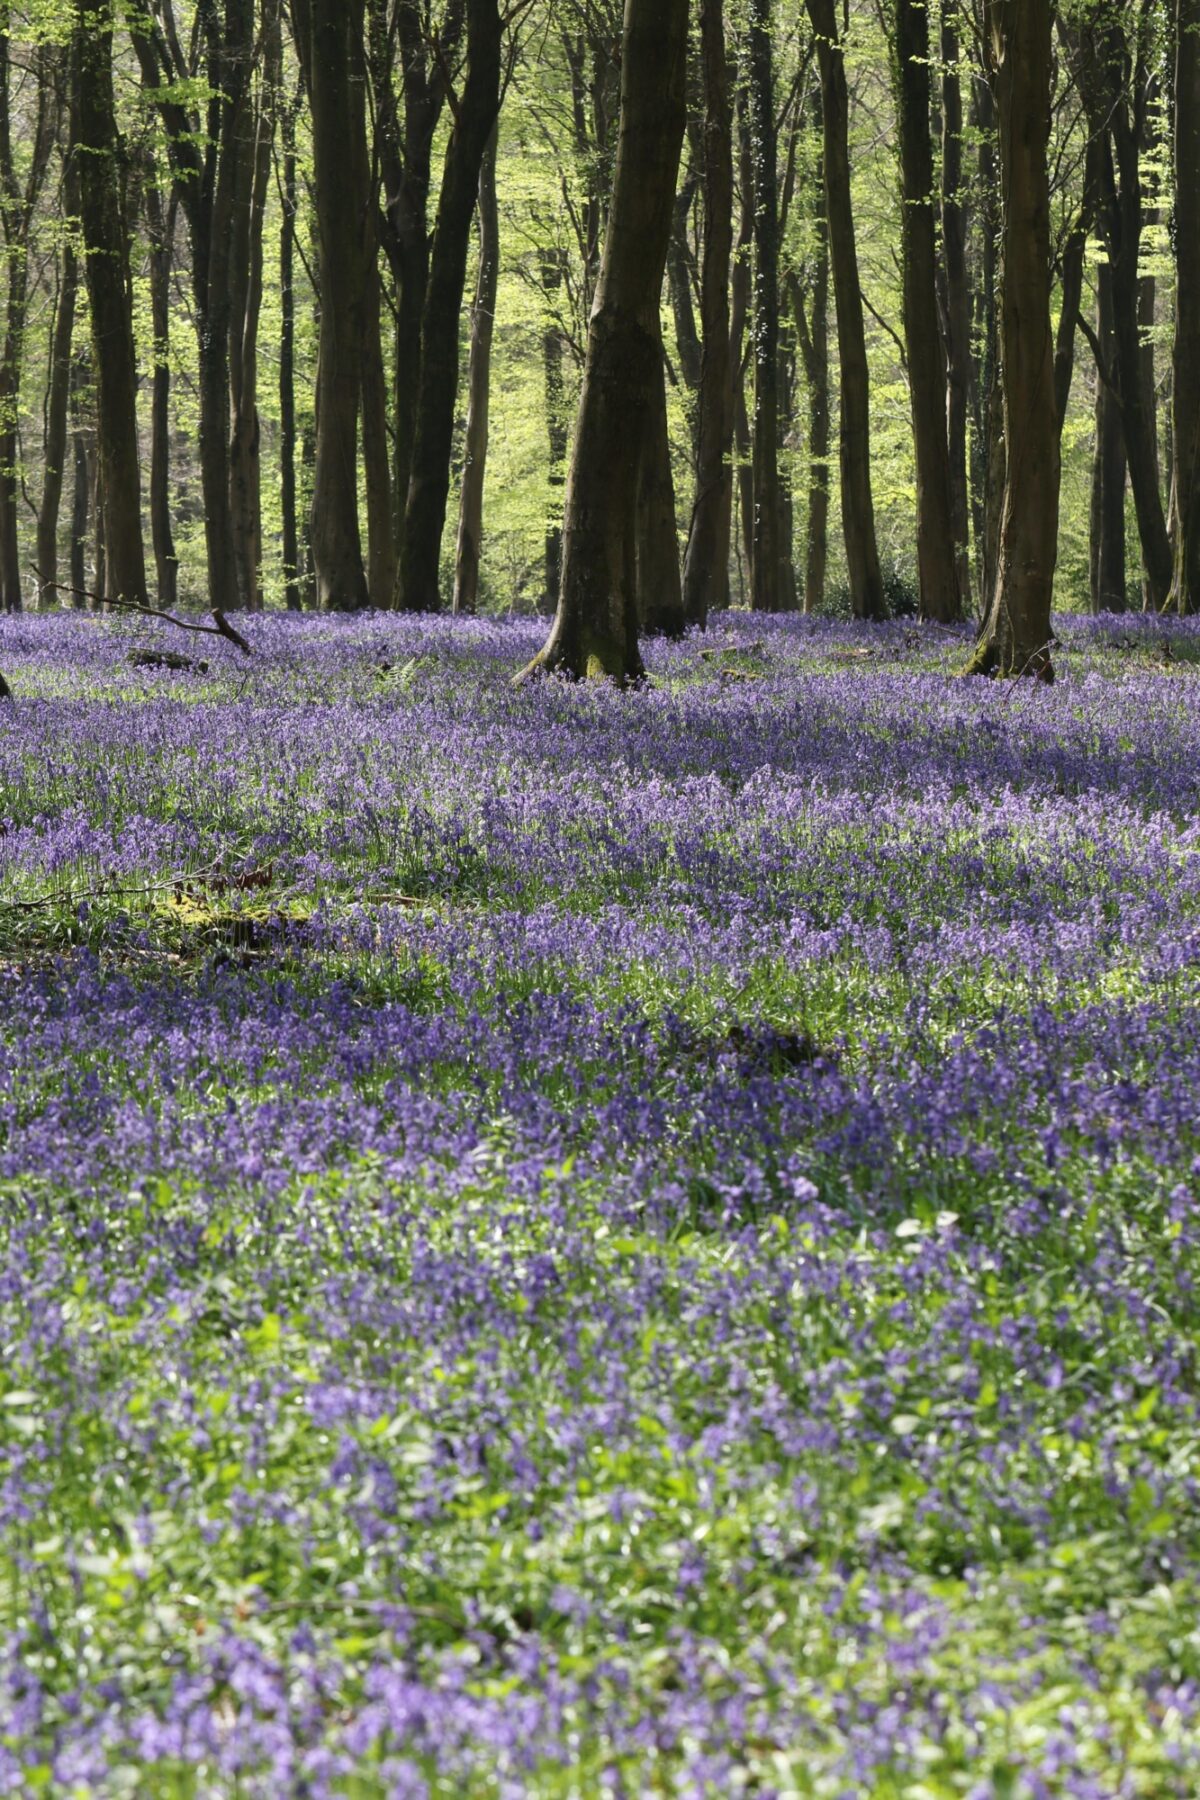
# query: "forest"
[600,899]
[272,268]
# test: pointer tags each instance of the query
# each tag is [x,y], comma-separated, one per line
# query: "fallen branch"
[222,628]
[77,897]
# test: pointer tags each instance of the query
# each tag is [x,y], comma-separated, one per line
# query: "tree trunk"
[936,547]
[57,407]
[595,629]
[162,247]
[556,426]
[381,536]
[706,569]
[680,269]
[18,199]
[958,298]
[287,367]
[483,326]
[433,439]
[767,583]
[987,463]
[1015,639]
[1186,589]
[84,450]
[657,580]
[858,506]
[1107,537]
[1112,80]
[256,135]
[345,240]
[739,315]
[106,264]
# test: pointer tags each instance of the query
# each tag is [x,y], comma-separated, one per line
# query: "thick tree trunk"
[858,506]
[1015,639]
[936,549]
[958,298]
[106,263]
[433,440]
[345,240]
[1185,592]
[1107,535]
[483,326]
[595,629]
[162,246]
[706,568]
[57,408]
[287,368]
[767,582]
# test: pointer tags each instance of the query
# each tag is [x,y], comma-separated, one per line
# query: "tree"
[858,505]
[769,590]
[937,560]
[330,33]
[433,435]
[1185,593]
[1016,635]
[105,231]
[595,628]
[483,326]
[706,565]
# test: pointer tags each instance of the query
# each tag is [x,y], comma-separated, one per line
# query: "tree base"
[1008,663]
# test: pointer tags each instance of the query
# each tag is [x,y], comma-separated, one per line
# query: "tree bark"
[1015,639]
[858,506]
[958,298]
[1185,592]
[433,438]
[18,199]
[1107,534]
[483,326]
[57,408]
[162,244]
[287,367]
[595,629]
[106,263]
[937,559]
[553,350]
[84,454]
[706,567]
[657,581]
[768,585]
[345,237]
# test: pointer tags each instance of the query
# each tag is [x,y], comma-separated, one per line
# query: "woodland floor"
[570,1243]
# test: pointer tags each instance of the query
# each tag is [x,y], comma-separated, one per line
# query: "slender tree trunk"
[483,326]
[680,267]
[1107,539]
[256,131]
[657,580]
[287,367]
[767,583]
[57,408]
[556,426]
[1185,592]
[106,263]
[936,549]
[84,455]
[381,538]
[18,199]
[345,237]
[162,246]
[595,629]
[739,316]
[858,506]
[958,298]
[706,569]
[1015,639]
[433,440]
